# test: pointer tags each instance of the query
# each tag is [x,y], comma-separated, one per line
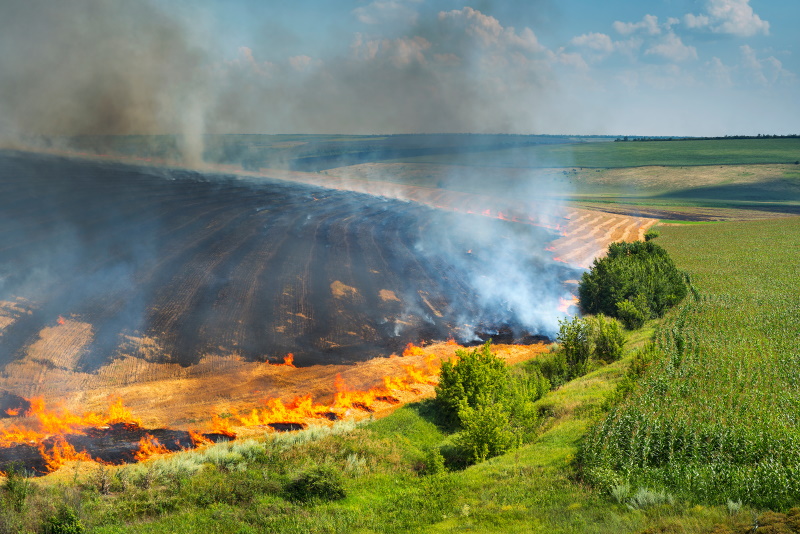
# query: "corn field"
[716,416]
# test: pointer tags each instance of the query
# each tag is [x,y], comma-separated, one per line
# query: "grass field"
[633,154]
[716,419]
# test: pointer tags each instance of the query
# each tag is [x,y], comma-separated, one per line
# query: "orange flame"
[288,360]
[149,446]
[13,412]
[48,422]
[60,453]
[303,408]
[61,320]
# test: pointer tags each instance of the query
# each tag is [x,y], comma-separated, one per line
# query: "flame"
[13,412]
[565,304]
[288,360]
[60,453]
[61,320]
[46,422]
[304,408]
[149,446]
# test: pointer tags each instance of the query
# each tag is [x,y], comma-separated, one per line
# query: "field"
[716,418]
[706,440]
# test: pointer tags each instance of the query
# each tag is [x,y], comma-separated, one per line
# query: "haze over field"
[713,67]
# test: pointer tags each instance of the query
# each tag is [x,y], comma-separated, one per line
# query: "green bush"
[486,432]
[64,522]
[608,337]
[476,374]
[317,484]
[632,272]
[632,314]
[490,405]
[575,338]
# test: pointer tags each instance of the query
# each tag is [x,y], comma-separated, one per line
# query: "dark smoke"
[98,67]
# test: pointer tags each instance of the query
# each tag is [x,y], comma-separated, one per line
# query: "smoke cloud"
[99,67]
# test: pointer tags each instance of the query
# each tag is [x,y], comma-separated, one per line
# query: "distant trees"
[634,282]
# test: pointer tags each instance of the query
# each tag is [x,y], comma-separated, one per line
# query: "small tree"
[609,339]
[575,338]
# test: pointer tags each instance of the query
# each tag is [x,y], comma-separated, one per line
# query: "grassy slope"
[716,419]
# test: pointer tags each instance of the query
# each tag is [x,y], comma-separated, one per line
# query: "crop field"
[716,417]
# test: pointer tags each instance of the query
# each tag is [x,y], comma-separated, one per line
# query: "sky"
[618,67]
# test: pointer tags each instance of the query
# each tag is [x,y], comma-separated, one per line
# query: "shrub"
[608,337]
[64,522]
[486,431]
[651,234]
[634,313]
[17,487]
[477,374]
[492,406]
[434,462]
[575,338]
[319,483]
[631,271]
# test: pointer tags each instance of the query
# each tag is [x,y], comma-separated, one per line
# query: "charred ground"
[173,265]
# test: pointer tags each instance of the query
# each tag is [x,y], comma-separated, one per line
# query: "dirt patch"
[340,290]
[387,295]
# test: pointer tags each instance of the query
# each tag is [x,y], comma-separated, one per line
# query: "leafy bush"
[486,432]
[633,313]
[608,337]
[490,405]
[477,375]
[651,234]
[319,483]
[17,487]
[631,271]
[64,522]
[575,338]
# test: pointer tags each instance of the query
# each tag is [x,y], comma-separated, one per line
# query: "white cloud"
[488,30]
[733,17]
[598,42]
[718,72]
[387,11]
[768,71]
[648,25]
[671,48]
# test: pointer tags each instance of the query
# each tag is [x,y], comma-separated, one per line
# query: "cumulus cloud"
[648,25]
[671,48]
[387,12]
[733,17]
[766,71]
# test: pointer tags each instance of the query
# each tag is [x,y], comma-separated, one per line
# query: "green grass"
[717,416]
[632,154]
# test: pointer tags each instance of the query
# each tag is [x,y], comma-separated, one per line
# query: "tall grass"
[716,416]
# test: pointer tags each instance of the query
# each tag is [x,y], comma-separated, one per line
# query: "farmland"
[715,419]
[706,439]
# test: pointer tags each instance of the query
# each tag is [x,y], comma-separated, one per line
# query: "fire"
[60,453]
[46,422]
[61,320]
[304,408]
[288,360]
[565,304]
[13,412]
[149,446]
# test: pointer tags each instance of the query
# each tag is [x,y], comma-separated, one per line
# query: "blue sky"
[618,67]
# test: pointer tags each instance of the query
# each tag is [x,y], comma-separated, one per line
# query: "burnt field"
[101,260]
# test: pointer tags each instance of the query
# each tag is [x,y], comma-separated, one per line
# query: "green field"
[716,419]
[632,154]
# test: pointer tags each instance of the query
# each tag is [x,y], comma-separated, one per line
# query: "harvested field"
[182,293]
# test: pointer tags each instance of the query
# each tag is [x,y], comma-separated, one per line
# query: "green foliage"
[17,487]
[651,234]
[714,416]
[434,462]
[632,272]
[575,338]
[323,483]
[64,522]
[477,376]
[485,431]
[608,338]
[491,406]
[633,313]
